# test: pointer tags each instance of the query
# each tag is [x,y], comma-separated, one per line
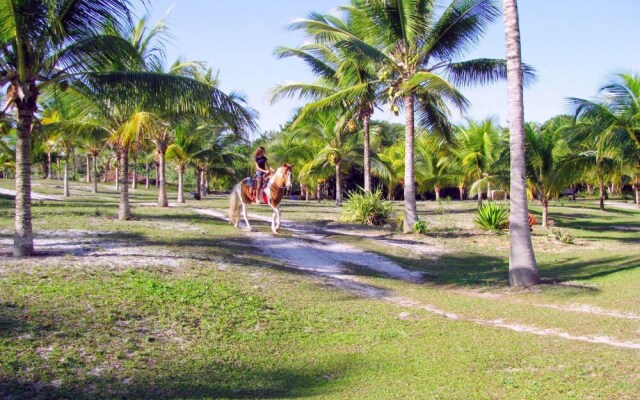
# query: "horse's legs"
[275,223]
[244,214]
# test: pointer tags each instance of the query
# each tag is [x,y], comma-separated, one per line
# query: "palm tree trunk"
[523,270]
[203,185]
[117,182]
[66,177]
[95,173]
[198,182]
[49,167]
[489,196]
[338,185]
[162,192]
[58,168]
[602,192]
[124,211]
[367,151]
[461,189]
[23,234]
[134,181]
[74,159]
[158,175]
[180,183]
[437,190]
[410,206]
[146,180]
[87,178]
[545,211]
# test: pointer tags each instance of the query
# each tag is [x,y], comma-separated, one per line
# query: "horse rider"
[262,171]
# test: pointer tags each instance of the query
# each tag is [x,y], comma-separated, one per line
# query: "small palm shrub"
[420,227]
[367,208]
[562,235]
[492,216]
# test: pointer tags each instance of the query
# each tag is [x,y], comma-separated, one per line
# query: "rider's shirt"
[262,162]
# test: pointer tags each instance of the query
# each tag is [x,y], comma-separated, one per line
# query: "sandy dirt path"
[311,251]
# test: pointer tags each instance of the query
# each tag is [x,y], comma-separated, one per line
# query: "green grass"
[228,322]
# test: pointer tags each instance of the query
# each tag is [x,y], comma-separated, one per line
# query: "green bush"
[420,227]
[492,216]
[367,208]
[562,235]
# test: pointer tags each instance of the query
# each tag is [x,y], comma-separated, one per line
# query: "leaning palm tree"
[414,51]
[523,270]
[48,42]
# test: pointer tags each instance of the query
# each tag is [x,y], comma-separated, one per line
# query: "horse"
[273,192]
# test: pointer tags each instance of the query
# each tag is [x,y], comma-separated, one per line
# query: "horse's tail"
[234,204]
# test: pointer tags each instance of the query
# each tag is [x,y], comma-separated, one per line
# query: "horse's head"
[283,176]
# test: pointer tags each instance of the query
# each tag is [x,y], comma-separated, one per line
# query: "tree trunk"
[523,270]
[437,190]
[134,182]
[49,167]
[162,192]
[117,182]
[124,211]
[180,182]
[461,189]
[203,186]
[489,196]
[198,182]
[602,192]
[23,234]
[338,185]
[87,178]
[74,176]
[410,206]
[95,173]
[545,211]
[318,192]
[66,177]
[367,151]
[58,168]
[146,178]
[158,175]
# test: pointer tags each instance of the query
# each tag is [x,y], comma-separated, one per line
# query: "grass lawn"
[177,305]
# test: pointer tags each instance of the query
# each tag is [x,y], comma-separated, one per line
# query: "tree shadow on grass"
[181,379]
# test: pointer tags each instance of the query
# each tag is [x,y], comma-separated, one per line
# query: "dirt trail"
[34,195]
[311,251]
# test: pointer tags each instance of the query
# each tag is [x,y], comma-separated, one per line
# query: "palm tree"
[546,151]
[523,270]
[347,85]
[414,52]
[47,42]
[478,148]
[337,146]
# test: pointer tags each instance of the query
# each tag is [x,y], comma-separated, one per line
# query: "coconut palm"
[546,149]
[415,51]
[347,85]
[47,42]
[523,270]
[337,146]
[478,148]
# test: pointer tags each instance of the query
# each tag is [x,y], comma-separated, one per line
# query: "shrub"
[367,208]
[492,216]
[562,235]
[420,227]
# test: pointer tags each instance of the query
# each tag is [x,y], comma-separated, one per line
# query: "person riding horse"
[262,171]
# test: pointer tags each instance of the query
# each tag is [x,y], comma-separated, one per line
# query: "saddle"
[252,184]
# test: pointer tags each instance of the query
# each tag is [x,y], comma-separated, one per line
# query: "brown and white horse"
[241,196]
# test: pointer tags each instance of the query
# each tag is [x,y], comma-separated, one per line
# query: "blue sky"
[573,44]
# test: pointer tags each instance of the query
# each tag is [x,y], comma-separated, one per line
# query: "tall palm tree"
[47,42]
[414,51]
[523,270]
